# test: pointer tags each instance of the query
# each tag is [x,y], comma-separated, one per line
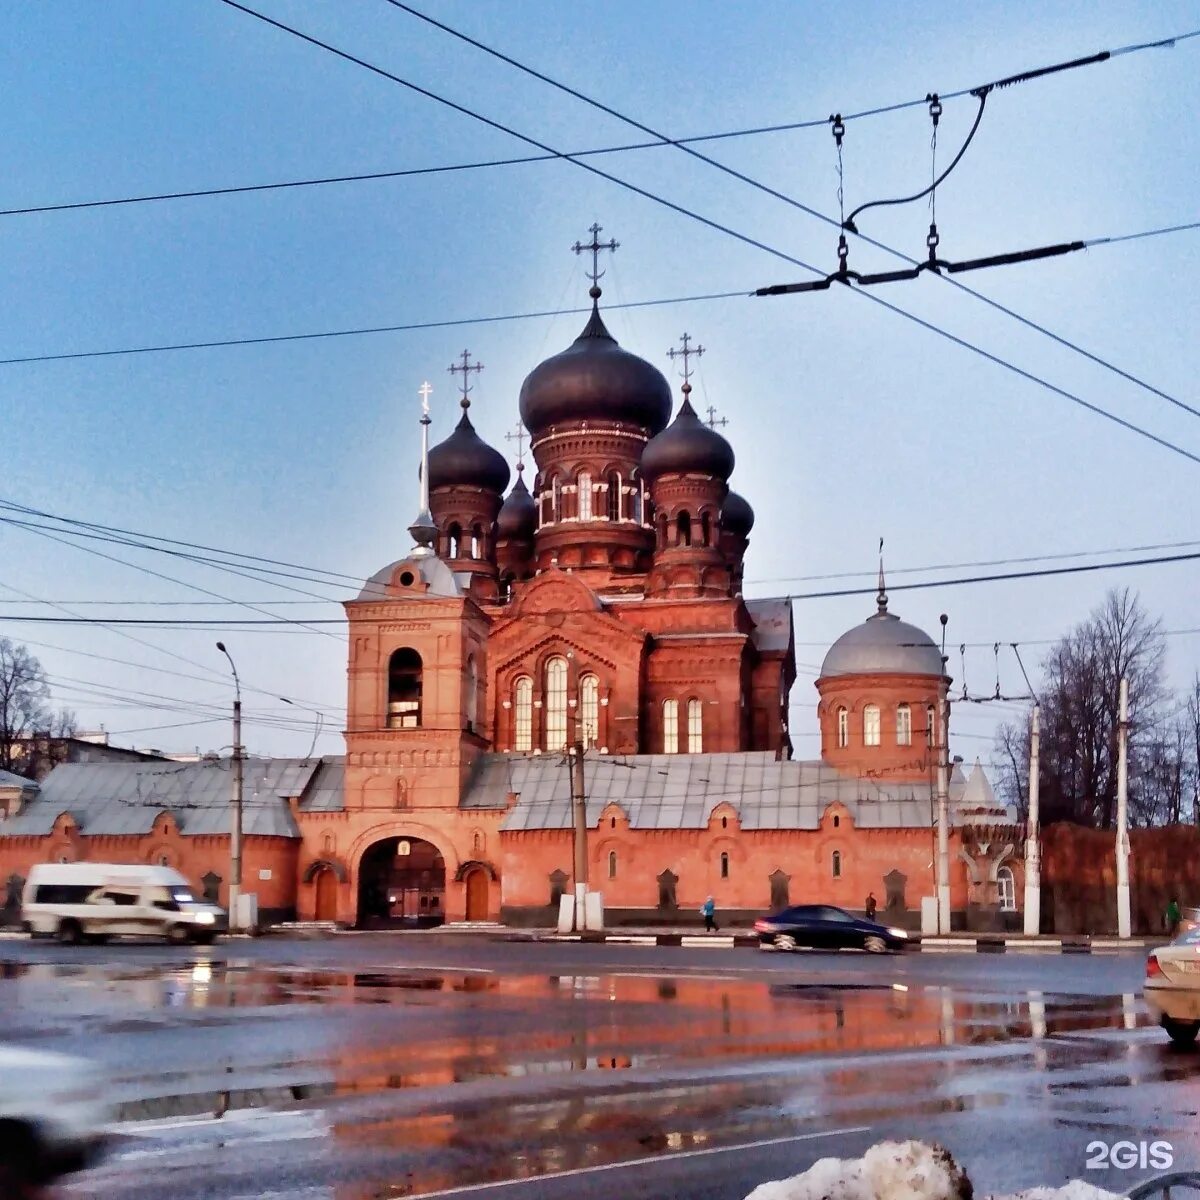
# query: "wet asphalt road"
[404,1065]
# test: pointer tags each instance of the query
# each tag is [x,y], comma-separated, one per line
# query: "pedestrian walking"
[871,906]
[1173,915]
[708,911]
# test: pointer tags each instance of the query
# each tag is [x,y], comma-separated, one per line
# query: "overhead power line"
[708,222]
[980,92]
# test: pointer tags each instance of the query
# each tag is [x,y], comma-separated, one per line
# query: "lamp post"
[235,840]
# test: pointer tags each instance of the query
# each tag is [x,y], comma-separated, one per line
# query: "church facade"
[600,605]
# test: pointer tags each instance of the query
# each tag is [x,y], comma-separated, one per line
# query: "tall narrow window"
[404,690]
[555,499]
[639,503]
[472,693]
[453,541]
[837,864]
[612,864]
[1006,890]
[705,529]
[843,735]
[477,542]
[931,725]
[589,710]
[523,714]
[585,496]
[871,725]
[683,529]
[724,866]
[670,711]
[614,497]
[556,704]
[903,725]
[695,714]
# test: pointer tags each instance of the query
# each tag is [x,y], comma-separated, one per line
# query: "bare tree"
[29,729]
[1079,696]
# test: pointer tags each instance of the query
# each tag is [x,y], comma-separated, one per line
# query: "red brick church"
[601,602]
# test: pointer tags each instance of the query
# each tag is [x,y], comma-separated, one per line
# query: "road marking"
[550,1176]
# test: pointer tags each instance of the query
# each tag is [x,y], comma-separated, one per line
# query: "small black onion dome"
[518,513]
[464,459]
[594,379]
[737,517]
[688,446]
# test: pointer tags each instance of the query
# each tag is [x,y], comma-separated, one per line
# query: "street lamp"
[235,841]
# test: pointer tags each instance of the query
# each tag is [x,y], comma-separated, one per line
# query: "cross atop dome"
[518,436]
[465,370]
[688,352]
[713,420]
[594,247]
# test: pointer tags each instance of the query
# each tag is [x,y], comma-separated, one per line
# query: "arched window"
[404,689]
[683,529]
[523,714]
[837,864]
[871,725]
[1006,890]
[546,505]
[724,866]
[614,497]
[903,725]
[931,725]
[695,715]
[639,502]
[662,525]
[589,709]
[506,587]
[612,864]
[471,706]
[555,499]
[477,541]
[843,728]
[670,711]
[556,704]
[584,483]
[705,529]
[453,540]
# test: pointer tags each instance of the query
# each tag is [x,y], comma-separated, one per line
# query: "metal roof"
[125,798]
[9,780]
[680,791]
[772,624]
[883,644]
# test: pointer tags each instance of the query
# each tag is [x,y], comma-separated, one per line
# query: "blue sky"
[849,422]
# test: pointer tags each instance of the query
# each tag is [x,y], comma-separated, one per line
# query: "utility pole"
[943,815]
[1124,925]
[235,839]
[1033,848]
[579,804]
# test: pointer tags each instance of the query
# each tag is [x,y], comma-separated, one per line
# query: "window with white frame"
[903,725]
[585,496]
[670,711]
[871,725]
[589,709]
[556,704]
[843,728]
[523,714]
[695,715]
[931,725]
[1006,890]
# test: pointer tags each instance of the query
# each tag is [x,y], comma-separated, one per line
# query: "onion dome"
[518,513]
[737,517]
[688,446]
[594,379]
[464,459]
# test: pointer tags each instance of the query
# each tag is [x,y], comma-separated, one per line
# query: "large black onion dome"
[687,446]
[737,517]
[594,379]
[518,513]
[464,459]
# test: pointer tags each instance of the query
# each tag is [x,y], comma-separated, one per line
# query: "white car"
[1172,987]
[52,1118]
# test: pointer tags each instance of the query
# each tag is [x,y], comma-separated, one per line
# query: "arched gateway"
[401,883]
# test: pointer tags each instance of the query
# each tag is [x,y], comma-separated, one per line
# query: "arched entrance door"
[477,894]
[325,885]
[401,883]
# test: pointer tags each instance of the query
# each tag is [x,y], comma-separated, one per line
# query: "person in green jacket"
[1173,916]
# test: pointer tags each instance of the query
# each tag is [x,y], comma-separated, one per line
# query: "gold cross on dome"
[594,247]
[688,352]
[465,370]
[518,436]
[713,420]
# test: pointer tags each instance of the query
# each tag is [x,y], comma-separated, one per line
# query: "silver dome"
[883,645]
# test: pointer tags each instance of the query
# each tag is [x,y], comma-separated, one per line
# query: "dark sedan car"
[823,927]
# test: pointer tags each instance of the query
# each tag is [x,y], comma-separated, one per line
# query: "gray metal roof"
[680,791]
[125,798]
[883,644]
[438,577]
[772,624]
[9,780]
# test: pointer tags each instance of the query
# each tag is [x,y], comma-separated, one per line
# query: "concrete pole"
[1124,924]
[1033,846]
[235,841]
[579,803]
[943,816]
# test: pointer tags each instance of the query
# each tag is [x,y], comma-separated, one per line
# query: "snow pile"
[903,1171]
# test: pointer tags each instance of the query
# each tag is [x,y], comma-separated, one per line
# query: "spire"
[594,247]
[423,530]
[881,600]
